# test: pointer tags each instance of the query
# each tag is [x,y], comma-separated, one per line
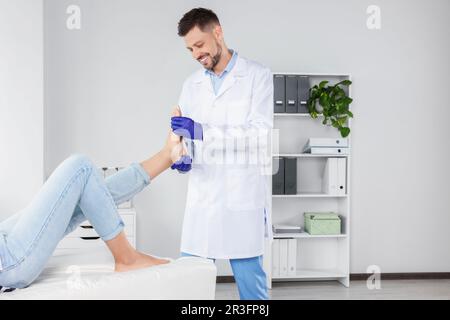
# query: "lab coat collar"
[229,66]
[239,70]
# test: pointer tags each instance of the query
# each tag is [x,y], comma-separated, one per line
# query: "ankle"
[128,258]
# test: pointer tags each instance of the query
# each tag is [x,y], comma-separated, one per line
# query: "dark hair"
[199,17]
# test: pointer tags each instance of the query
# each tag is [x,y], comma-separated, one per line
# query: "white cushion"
[89,274]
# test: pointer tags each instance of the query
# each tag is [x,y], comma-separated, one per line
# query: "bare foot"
[174,143]
[176,112]
[141,261]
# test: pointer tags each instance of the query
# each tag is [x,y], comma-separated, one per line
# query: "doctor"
[226,110]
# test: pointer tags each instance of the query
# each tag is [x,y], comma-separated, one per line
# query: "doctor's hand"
[183,165]
[186,127]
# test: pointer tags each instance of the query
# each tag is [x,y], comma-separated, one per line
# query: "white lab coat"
[227,214]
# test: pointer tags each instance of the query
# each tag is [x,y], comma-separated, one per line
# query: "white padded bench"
[89,274]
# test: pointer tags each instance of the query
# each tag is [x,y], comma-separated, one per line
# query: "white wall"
[21,103]
[111,86]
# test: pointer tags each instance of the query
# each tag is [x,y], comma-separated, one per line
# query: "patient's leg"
[122,186]
[40,226]
[128,182]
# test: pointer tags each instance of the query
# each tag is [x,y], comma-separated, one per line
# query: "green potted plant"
[333,103]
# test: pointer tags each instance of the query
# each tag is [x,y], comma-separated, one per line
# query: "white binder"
[292,257]
[341,175]
[327,142]
[326,150]
[276,258]
[283,257]
[330,176]
[281,228]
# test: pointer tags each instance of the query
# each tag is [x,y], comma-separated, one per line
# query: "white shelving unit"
[318,257]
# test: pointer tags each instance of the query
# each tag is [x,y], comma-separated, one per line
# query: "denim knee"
[77,161]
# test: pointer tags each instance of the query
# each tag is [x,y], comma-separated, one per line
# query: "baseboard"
[383,276]
[403,276]
[225,279]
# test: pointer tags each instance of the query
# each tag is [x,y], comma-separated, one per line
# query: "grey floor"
[390,289]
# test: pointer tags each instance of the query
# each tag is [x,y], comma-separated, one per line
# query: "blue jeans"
[250,277]
[74,192]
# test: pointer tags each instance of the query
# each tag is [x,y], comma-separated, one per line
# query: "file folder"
[278,177]
[342,176]
[292,257]
[327,142]
[279,95]
[303,93]
[283,257]
[290,176]
[330,176]
[323,150]
[276,258]
[280,228]
[291,94]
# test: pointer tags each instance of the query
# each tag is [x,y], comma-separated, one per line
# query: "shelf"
[314,274]
[317,74]
[309,195]
[304,235]
[309,155]
[295,115]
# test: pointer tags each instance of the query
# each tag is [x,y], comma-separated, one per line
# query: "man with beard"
[224,107]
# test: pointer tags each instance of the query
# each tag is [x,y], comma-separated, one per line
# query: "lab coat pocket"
[244,190]
[197,187]
[238,111]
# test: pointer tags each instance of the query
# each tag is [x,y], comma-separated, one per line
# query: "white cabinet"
[85,235]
